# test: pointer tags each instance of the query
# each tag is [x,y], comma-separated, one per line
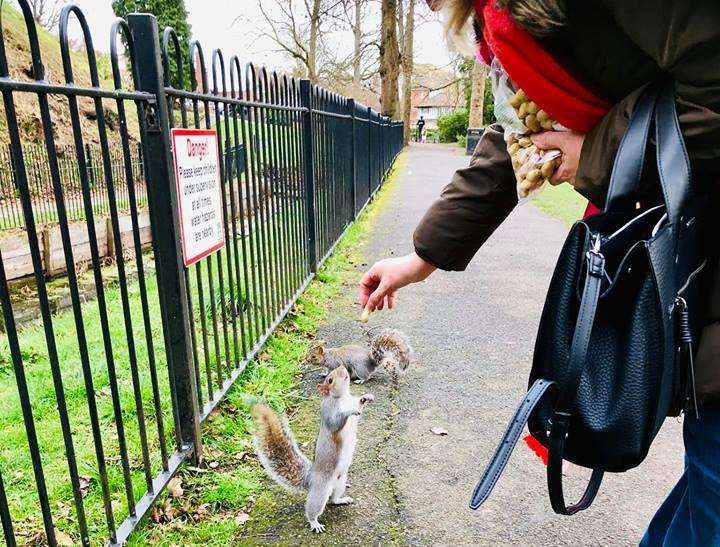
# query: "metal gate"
[103,400]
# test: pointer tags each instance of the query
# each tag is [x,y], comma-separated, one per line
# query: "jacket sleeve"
[470,208]
[683,38]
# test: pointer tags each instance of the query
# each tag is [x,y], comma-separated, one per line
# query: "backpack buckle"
[596,260]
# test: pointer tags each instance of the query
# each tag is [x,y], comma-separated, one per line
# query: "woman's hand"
[570,144]
[380,283]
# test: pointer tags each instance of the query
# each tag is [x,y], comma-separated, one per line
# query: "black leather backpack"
[614,350]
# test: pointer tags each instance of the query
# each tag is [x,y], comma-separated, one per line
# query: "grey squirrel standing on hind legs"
[326,477]
[389,349]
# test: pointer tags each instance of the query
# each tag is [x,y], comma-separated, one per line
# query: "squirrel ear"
[323,389]
[320,350]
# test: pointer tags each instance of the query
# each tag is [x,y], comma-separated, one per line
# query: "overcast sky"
[214,24]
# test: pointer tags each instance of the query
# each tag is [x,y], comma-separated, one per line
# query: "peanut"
[532,123]
[365,316]
[534,175]
[547,169]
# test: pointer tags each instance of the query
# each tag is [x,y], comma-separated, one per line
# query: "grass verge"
[561,202]
[209,505]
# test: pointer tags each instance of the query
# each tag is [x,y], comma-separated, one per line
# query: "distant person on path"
[420,126]
[615,48]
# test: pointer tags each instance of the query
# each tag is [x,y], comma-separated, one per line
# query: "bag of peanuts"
[520,117]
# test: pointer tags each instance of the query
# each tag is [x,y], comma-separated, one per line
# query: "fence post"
[369,152]
[90,165]
[308,139]
[162,198]
[353,181]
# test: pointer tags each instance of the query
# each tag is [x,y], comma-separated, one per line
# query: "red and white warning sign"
[197,172]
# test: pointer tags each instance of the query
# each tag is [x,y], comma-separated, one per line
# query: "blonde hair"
[457,17]
[538,17]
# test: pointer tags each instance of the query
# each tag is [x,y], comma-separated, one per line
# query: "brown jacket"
[615,47]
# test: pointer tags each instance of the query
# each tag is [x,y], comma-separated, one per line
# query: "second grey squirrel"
[389,349]
[324,478]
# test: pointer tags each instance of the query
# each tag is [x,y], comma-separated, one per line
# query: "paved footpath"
[473,334]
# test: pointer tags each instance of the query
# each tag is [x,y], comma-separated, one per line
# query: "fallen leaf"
[168,510]
[175,487]
[232,409]
[62,538]
[264,356]
[241,518]
[156,515]
[84,485]
[202,510]
[439,430]
[213,465]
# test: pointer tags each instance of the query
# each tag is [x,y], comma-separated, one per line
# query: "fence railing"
[37,168]
[103,401]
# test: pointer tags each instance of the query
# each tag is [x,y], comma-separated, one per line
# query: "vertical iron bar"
[353,168]
[162,195]
[308,137]
[26,407]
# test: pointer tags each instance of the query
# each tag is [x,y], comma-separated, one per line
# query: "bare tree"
[362,65]
[389,59]
[296,27]
[46,12]
[477,95]
[406,30]
[357,43]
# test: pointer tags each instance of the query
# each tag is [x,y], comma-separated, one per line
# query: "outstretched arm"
[467,212]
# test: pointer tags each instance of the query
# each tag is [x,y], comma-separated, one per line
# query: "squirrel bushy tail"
[391,349]
[277,450]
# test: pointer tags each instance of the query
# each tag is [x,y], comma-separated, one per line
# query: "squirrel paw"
[316,527]
[359,381]
[367,398]
[345,500]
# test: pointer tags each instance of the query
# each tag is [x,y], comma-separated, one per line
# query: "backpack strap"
[560,423]
[556,449]
[502,453]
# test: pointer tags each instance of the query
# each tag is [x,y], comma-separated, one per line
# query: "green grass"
[561,202]
[14,457]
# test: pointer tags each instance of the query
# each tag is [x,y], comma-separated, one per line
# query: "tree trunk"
[357,50]
[477,96]
[407,68]
[312,45]
[389,59]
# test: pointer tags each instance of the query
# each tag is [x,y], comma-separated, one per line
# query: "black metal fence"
[103,402]
[37,167]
